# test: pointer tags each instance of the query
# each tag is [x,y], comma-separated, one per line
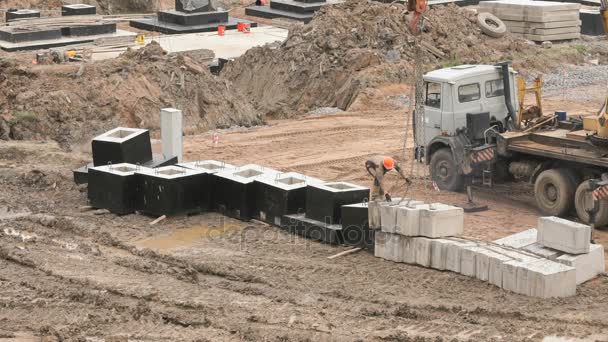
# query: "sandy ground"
[67,273]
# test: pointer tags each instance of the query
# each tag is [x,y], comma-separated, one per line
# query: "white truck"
[468,128]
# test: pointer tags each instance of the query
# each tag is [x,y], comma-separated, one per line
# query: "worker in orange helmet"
[377,167]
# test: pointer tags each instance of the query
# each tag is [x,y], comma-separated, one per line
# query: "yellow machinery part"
[526,114]
[598,123]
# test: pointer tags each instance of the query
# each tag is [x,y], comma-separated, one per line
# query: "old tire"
[491,25]
[554,192]
[444,171]
[583,199]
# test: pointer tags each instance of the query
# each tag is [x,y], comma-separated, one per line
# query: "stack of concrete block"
[544,263]
[537,20]
[564,242]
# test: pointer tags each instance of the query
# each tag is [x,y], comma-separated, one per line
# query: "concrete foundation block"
[547,279]
[423,251]
[495,266]
[488,260]
[324,201]
[564,235]
[454,253]
[122,145]
[588,266]
[394,248]
[374,217]
[441,221]
[114,187]
[408,250]
[468,260]
[408,219]
[234,192]
[172,132]
[439,253]
[78,9]
[355,226]
[380,244]
[519,240]
[388,217]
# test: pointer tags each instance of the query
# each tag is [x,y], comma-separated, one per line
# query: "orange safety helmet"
[389,163]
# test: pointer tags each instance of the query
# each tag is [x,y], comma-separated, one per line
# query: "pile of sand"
[349,47]
[68,104]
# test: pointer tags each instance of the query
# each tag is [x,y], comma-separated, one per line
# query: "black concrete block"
[234,191]
[355,226]
[22,14]
[158,160]
[210,167]
[283,195]
[153,24]
[217,66]
[114,187]
[81,174]
[122,145]
[9,35]
[312,1]
[324,201]
[270,13]
[312,229]
[193,19]
[172,190]
[193,6]
[591,22]
[295,6]
[78,9]
[89,30]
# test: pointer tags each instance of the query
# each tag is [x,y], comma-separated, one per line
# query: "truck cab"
[461,104]
[452,93]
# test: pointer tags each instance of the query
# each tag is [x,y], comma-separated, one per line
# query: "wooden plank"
[346,252]
[158,220]
[578,135]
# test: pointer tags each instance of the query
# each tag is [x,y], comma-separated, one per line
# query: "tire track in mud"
[324,132]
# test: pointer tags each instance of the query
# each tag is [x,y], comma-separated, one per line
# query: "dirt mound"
[355,45]
[73,102]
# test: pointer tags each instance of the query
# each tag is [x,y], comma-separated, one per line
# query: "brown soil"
[70,104]
[68,274]
[354,46]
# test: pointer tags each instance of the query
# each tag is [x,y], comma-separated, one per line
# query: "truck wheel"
[584,200]
[444,171]
[554,190]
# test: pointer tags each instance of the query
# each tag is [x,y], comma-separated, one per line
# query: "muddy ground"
[67,273]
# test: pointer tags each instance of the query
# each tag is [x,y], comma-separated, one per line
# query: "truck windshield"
[433,94]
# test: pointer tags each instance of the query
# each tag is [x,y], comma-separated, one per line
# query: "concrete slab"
[519,240]
[154,24]
[529,6]
[588,266]
[540,18]
[441,221]
[564,235]
[543,252]
[552,37]
[551,31]
[532,25]
[71,40]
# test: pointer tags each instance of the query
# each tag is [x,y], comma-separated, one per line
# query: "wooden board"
[579,135]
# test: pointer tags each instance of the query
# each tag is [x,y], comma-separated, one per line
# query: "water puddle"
[188,236]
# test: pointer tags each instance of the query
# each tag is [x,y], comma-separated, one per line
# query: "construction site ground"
[71,273]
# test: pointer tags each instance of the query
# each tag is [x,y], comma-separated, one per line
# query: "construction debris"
[345,49]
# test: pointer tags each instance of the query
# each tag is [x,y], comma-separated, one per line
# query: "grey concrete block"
[380,244]
[548,37]
[564,235]
[408,250]
[546,31]
[468,262]
[441,221]
[547,279]
[408,219]
[439,253]
[588,266]
[454,252]
[548,25]
[374,217]
[422,247]
[529,7]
